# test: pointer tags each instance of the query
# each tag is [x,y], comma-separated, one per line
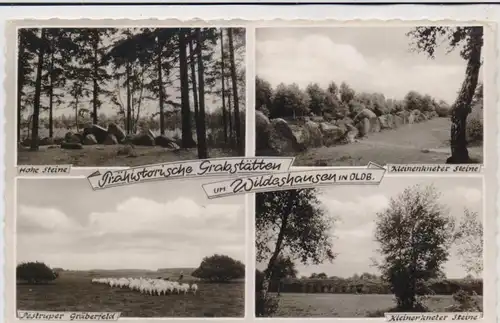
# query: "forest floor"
[420,143]
[107,155]
[346,305]
[75,292]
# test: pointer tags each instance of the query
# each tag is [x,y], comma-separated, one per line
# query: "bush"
[219,268]
[474,129]
[35,273]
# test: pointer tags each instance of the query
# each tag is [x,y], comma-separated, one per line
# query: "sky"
[164,224]
[149,107]
[356,207]
[375,59]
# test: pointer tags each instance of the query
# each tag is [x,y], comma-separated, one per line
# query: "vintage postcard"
[249,169]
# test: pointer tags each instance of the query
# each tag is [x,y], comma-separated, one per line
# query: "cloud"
[44,220]
[137,233]
[317,58]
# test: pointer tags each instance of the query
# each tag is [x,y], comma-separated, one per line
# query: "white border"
[339,12]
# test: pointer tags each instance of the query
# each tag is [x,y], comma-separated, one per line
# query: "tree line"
[86,69]
[365,284]
[336,102]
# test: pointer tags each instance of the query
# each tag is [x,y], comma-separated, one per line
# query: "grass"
[420,143]
[345,305]
[73,291]
[103,155]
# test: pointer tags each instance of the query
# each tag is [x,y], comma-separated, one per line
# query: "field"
[108,155]
[73,291]
[345,305]
[419,143]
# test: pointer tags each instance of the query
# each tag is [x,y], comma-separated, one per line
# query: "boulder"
[166,142]
[110,140]
[71,145]
[100,133]
[143,139]
[352,133]
[375,125]
[332,134]
[315,135]
[397,121]
[117,131]
[301,134]
[262,130]
[365,113]
[47,141]
[71,137]
[384,122]
[89,139]
[363,127]
[282,139]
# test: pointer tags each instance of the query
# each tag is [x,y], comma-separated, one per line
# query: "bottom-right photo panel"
[410,244]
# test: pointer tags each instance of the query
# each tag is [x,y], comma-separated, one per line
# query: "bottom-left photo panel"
[157,249]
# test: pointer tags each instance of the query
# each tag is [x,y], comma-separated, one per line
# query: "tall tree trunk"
[20,83]
[230,117]
[223,89]
[76,112]
[462,106]
[95,63]
[51,95]
[292,195]
[161,97]
[202,142]
[38,92]
[186,131]
[239,143]
[195,88]
[129,99]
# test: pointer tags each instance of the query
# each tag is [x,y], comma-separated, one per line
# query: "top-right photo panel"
[347,96]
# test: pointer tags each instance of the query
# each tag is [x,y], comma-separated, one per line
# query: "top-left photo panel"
[113,97]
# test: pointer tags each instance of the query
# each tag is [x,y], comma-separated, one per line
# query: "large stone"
[143,139]
[47,141]
[89,139]
[384,122]
[262,131]
[71,137]
[110,140]
[166,142]
[363,127]
[332,134]
[365,113]
[315,135]
[71,145]
[397,121]
[100,133]
[301,134]
[375,125]
[282,139]
[117,131]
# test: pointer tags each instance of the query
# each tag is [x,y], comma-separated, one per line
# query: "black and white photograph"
[129,96]
[347,96]
[146,250]
[407,245]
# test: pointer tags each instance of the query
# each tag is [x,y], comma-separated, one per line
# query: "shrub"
[474,129]
[219,268]
[35,273]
